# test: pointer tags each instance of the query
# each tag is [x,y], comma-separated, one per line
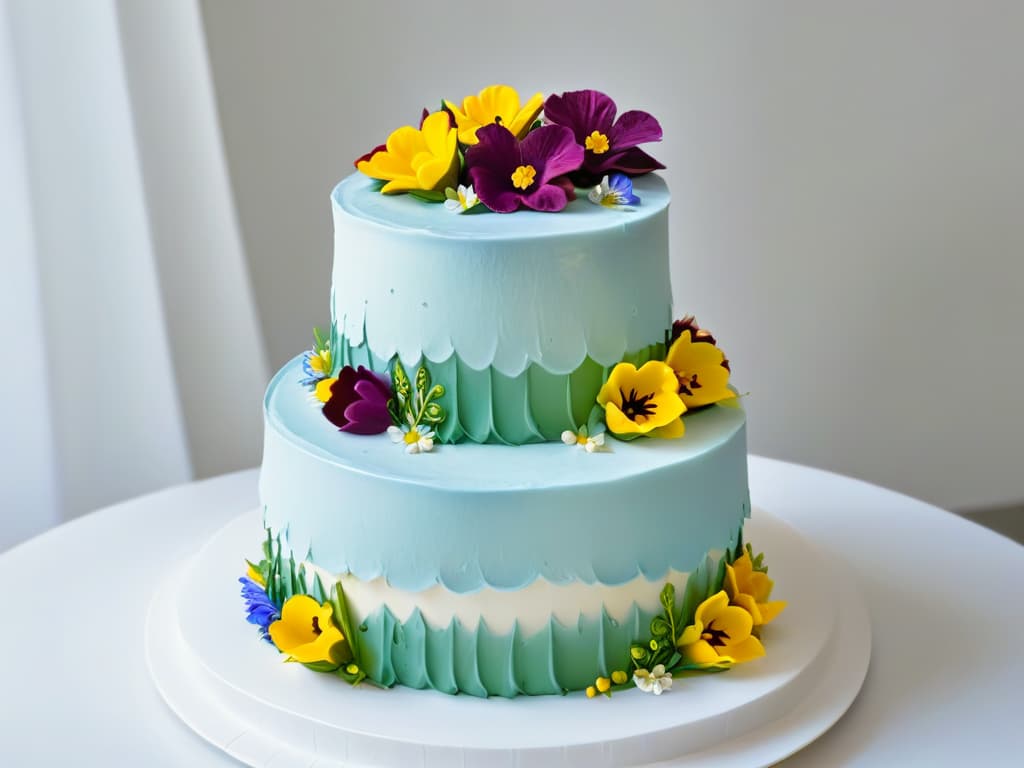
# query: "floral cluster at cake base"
[715,622]
[306,621]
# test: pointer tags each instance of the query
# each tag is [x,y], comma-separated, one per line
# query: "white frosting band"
[532,606]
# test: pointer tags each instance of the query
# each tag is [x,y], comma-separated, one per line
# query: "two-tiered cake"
[505,470]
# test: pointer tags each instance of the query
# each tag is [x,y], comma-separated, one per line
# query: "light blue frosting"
[501,291]
[468,516]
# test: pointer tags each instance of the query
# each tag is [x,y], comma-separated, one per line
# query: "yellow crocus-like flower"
[305,631]
[750,590]
[495,104]
[423,159]
[699,371]
[255,575]
[720,635]
[323,388]
[642,401]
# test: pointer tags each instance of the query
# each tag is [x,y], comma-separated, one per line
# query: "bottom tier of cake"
[495,570]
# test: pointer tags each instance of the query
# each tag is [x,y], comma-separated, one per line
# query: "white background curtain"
[847,191]
[847,216]
[133,355]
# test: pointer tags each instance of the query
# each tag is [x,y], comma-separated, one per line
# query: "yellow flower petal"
[255,575]
[302,621]
[747,603]
[734,621]
[690,635]
[495,103]
[524,118]
[699,652]
[654,383]
[710,608]
[323,388]
[425,158]
[770,610]
[319,649]
[703,360]
[745,650]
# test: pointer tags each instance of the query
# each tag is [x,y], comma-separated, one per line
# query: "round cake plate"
[235,692]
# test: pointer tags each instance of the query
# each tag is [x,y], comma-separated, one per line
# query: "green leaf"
[340,606]
[427,195]
[401,381]
[320,666]
[595,421]
[433,413]
[394,411]
[668,599]
[437,391]
[422,379]
[660,628]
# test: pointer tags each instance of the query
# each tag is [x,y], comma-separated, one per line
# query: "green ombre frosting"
[486,406]
[518,316]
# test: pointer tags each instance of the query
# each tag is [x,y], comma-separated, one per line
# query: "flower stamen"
[597,143]
[637,407]
[523,176]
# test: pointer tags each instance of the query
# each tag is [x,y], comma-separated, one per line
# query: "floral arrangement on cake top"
[495,152]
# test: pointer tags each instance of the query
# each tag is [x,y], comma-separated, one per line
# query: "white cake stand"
[236,693]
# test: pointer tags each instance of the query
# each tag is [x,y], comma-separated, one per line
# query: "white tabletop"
[945,597]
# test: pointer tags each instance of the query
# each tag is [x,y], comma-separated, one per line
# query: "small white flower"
[461,200]
[416,439]
[655,681]
[588,443]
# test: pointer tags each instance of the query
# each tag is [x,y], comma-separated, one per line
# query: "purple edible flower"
[261,611]
[508,173]
[359,402]
[610,145]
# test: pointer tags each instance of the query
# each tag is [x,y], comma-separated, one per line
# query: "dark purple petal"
[366,417]
[552,151]
[548,198]
[633,161]
[632,128]
[372,386]
[583,112]
[494,190]
[496,149]
[567,186]
[358,402]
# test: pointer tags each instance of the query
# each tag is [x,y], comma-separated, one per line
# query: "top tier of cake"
[518,316]
[502,291]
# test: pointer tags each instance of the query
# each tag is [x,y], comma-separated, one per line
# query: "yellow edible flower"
[720,635]
[750,590]
[305,631]
[619,677]
[425,159]
[701,377]
[642,401]
[323,388]
[495,104]
[253,573]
